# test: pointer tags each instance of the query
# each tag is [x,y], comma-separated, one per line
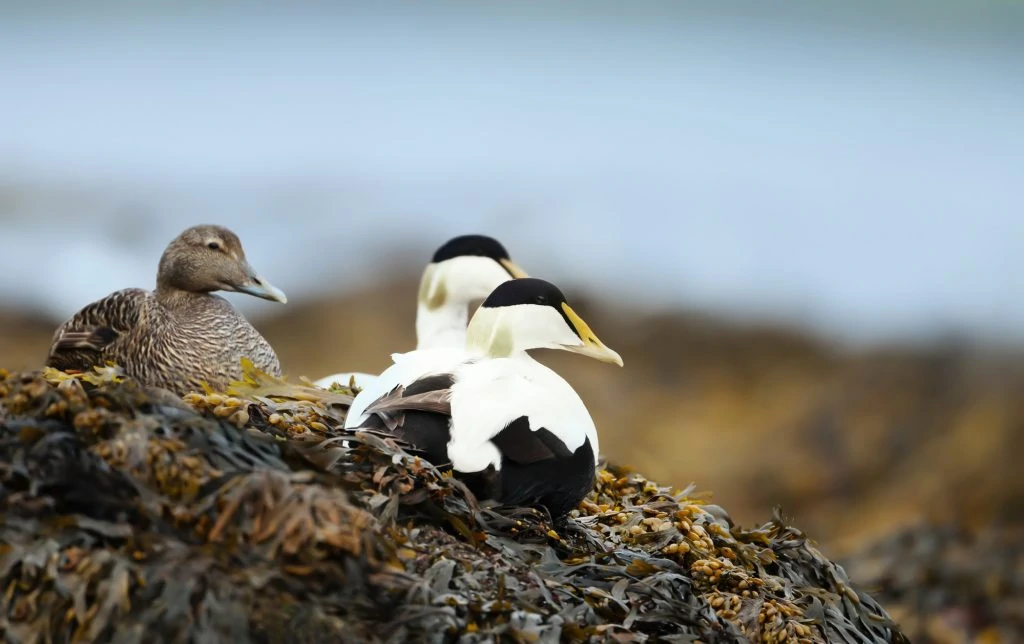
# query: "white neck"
[444,326]
[508,331]
[483,335]
[446,291]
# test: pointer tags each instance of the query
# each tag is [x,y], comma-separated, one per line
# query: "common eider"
[510,427]
[181,334]
[463,270]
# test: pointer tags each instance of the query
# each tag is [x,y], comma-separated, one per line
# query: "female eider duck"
[181,334]
[465,269]
[510,427]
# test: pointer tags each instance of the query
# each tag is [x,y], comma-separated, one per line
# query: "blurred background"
[800,225]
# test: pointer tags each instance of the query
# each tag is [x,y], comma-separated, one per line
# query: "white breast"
[362,380]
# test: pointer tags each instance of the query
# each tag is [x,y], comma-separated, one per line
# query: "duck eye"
[213,246]
[540,299]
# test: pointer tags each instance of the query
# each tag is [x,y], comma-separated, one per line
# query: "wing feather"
[96,339]
[418,414]
[407,369]
[429,394]
[96,327]
[438,401]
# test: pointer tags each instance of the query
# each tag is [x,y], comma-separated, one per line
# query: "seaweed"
[251,515]
[949,581]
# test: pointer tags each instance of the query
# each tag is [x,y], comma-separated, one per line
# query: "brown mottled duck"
[181,334]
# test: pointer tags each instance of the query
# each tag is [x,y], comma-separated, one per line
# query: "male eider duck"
[510,427]
[465,269]
[181,334]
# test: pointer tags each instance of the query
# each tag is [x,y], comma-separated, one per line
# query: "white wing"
[490,394]
[407,367]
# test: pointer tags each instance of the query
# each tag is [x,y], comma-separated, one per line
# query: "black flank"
[559,484]
[537,467]
[519,444]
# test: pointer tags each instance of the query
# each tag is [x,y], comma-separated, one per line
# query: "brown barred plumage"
[181,334]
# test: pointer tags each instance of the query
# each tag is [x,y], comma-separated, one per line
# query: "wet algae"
[131,515]
[948,581]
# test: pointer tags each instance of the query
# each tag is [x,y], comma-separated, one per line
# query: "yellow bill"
[592,347]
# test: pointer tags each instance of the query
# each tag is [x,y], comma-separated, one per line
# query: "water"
[856,169]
